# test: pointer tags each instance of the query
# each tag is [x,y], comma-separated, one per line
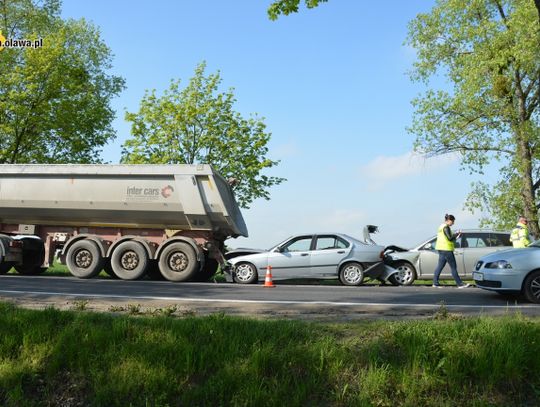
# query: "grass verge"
[54,357]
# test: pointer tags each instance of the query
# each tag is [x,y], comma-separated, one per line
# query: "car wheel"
[351,274]
[406,274]
[531,287]
[245,273]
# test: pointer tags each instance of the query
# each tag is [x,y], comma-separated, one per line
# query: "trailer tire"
[129,260]
[177,262]
[84,259]
[32,258]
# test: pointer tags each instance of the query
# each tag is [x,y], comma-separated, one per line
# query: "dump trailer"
[167,221]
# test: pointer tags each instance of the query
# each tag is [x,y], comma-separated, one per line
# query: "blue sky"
[332,85]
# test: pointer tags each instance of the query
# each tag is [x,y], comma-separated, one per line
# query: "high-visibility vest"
[443,243]
[520,236]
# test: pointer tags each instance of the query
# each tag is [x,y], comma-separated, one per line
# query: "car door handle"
[304,254]
[341,251]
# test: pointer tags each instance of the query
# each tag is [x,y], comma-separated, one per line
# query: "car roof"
[463,231]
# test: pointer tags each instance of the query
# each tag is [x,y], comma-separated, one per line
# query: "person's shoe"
[437,286]
[464,285]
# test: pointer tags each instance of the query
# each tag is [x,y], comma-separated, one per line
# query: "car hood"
[508,255]
[231,254]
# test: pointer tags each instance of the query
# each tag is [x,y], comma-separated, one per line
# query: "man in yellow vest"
[445,246]
[520,234]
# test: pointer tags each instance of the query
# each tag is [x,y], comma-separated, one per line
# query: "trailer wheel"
[84,259]
[178,262]
[130,260]
[32,258]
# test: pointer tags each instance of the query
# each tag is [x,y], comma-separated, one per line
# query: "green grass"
[56,357]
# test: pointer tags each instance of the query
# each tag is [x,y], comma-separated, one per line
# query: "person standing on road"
[520,234]
[445,246]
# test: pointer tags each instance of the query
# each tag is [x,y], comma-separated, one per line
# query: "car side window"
[499,240]
[330,242]
[429,245]
[474,240]
[300,244]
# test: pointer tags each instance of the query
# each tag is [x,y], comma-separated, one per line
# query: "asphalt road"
[284,300]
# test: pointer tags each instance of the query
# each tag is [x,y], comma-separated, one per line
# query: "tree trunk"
[537,2]
[527,190]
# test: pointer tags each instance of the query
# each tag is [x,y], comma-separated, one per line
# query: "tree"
[489,51]
[287,7]
[198,125]
[54,100]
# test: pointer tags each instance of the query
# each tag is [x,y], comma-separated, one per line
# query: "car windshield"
[536,243]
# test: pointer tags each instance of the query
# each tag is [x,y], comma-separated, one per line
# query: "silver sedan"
[421,261]
[515,271]
[319,256]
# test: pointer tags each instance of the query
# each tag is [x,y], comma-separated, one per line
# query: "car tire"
[245,273]
[406,274]
[351,274]
[531,287]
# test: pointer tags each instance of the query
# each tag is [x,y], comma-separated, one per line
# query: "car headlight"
[499,264]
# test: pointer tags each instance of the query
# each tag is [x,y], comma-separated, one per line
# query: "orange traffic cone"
[268,279]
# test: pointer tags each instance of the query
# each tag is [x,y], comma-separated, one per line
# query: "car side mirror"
[280,249]
[427,246]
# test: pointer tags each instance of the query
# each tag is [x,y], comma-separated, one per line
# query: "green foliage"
[198,124]
[54,100]
[49,357]
[286,7]
[489,52]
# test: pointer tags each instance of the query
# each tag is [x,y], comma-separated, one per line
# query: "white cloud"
[383,169]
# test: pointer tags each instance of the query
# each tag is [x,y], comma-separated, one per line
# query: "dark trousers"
[446,256]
